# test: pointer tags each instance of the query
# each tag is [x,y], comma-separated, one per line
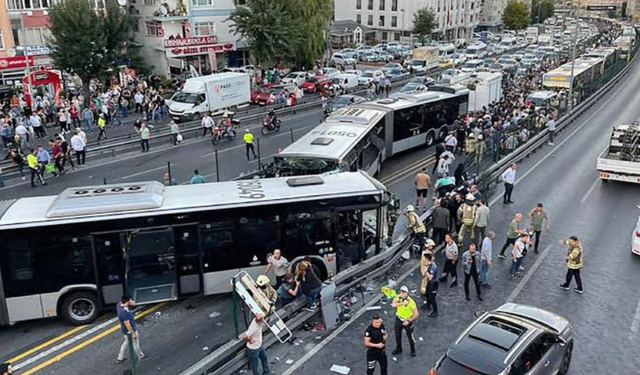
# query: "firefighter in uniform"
[264,284]
[375,339]
[467,215]
[417,226]
[406,314]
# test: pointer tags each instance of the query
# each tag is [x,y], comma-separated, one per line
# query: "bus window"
[63,260]
[185,238]
[258,237]
[407,123]
[305,233]
[217,240]
[110,265]
[350,247]
[18,267]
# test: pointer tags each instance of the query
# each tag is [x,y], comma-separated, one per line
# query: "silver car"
[513,339]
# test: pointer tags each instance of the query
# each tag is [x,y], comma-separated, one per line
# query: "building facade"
[392,20]
[181,35]
[491,12]
[23,23]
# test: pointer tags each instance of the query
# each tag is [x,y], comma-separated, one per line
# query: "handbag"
[49,168]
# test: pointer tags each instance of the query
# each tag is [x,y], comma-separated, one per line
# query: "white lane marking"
[595,184]
[556,148]
[145,172]
[152,152]
[64,344]
[529,274]
[272,137]
[339,330]
[635,324]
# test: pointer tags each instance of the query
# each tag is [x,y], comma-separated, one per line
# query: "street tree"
[515,16]
[541,10]
[78,40]
[293,31]
[424,21]
[118,29]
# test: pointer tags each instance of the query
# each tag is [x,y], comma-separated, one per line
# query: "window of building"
[382,4]
[153,27]
[396,36]
[32,4]
[370,20]
[370,5]
[358,4]
[205,28]
[394,5]
[471,5]
[1,40]
[381,21]
[240,2]
[394,21]
[97,4]
[385,35]
[149,2]
[202,3]
[359,18]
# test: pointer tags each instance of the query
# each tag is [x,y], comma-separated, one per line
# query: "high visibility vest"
[575,258]
[404,312]
[248,138]
[468,214]
[416,224]
[101,122]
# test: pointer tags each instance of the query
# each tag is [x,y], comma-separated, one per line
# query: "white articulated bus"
[71,254]
[362,136]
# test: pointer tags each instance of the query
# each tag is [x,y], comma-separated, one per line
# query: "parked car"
[423,80]
[458,58]
[370,76]
[635,239]
[357,72]
[397,74]
[331,72]
[341,59]
[316,83]
[410,89]
[445,62]
[472,66]
[295,77]
[391,66]
[513,339]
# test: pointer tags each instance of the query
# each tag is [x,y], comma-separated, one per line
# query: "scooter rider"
[271,120]
[227,120]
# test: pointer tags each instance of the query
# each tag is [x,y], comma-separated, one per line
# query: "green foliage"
[293,31]
[515,16]
[424,21]
[118,27]
[541,10]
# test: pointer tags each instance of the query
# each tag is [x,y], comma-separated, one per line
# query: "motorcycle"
[220,132]
[268,125]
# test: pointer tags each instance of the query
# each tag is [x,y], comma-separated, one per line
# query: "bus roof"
[333,139]
[560,76]
[433,94]
[123,201]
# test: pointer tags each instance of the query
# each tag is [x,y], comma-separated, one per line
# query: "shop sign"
[16,62]
[200,50]
[188,42]
[38,50]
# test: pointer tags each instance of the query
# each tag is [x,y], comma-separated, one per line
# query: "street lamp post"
[402,32]
[26,60]
[573,62]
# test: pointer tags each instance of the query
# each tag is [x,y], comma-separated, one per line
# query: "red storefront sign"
[186,42]
[16,62]
[200,50]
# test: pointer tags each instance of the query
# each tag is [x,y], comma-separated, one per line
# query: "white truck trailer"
[620,161]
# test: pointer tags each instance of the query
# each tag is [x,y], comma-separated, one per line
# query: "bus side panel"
[4,316]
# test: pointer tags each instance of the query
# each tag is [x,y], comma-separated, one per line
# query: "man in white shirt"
[451,142]
[138,98]
[509,178]
[551,127]
[79,146]
[255,351]
[36,122]
[207,125]
[22,131]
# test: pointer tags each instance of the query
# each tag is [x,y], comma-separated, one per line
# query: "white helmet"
[410,208]
[471,197]
[263,280]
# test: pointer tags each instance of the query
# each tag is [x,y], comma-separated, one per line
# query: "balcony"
[170,12]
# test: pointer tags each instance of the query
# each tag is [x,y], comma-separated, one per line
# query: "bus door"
[109,265]
[188,258]
[151,271]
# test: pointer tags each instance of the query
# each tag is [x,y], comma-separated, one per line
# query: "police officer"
[574,264]
[248,143]
[375,338]
[406,314]
[431,276]
[467,215]
[417,226]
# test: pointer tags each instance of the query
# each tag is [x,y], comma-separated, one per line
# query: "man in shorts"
[423,184]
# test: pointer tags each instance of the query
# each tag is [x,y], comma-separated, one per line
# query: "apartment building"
[392,20]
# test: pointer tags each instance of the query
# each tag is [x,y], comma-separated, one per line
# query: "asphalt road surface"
[606,317]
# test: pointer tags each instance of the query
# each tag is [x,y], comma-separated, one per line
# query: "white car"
[370,76]
[331,72]
[341,59]
[635,238]
[391,66]
[353,71]
[295,77]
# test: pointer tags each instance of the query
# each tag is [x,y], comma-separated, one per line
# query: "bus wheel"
[79,308]
[430,139]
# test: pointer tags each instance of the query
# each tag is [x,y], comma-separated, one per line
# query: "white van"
[348,81]
[476,51]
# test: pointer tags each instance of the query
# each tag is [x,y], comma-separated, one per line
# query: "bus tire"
[430,139]
[79,308]
[443,133]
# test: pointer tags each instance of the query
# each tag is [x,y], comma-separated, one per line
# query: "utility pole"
[573,61]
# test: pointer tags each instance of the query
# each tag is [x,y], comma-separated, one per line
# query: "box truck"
[214,93]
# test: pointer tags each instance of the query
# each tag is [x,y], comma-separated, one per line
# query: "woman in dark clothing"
[309,282]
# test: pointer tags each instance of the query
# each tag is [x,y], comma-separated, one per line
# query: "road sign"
[601,7]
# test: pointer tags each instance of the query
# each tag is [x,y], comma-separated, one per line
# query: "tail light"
[433,372]
[637,234]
